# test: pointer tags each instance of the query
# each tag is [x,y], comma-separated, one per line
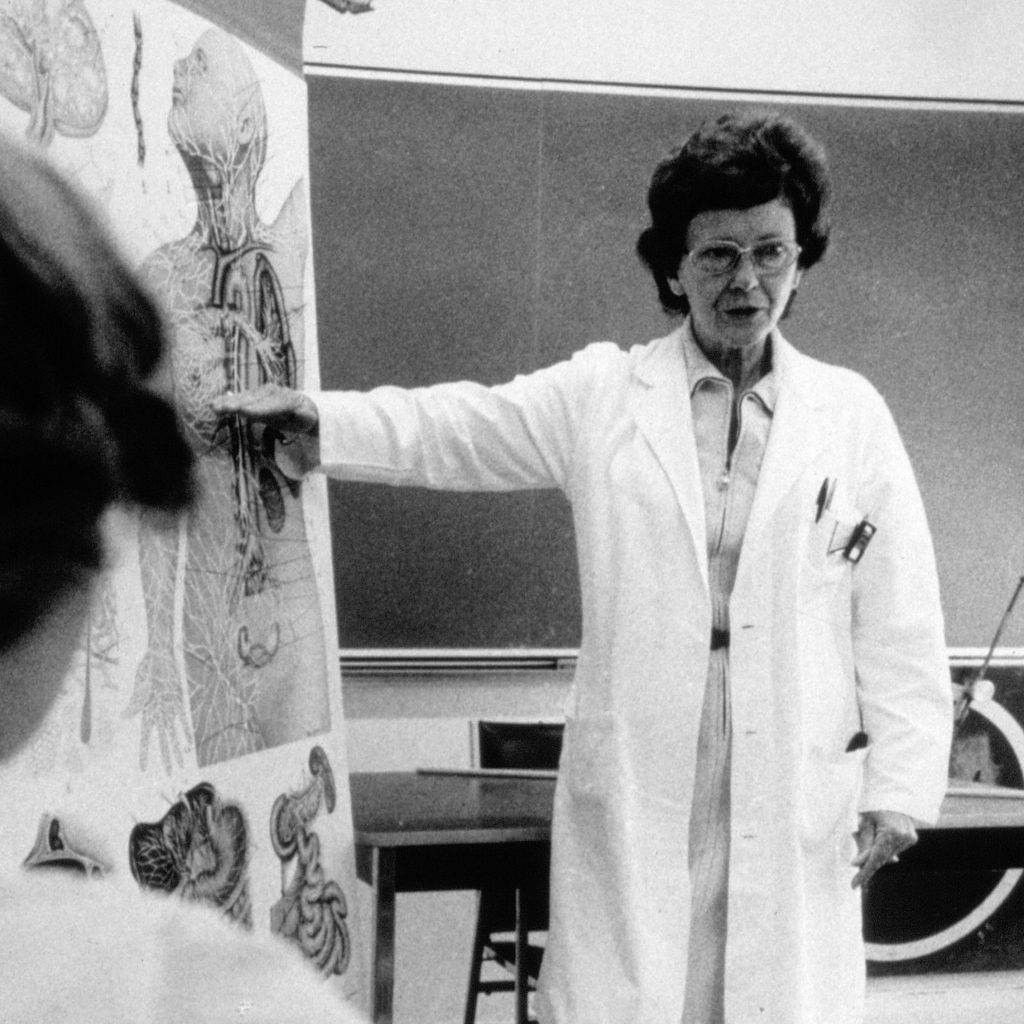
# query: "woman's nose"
[744,276]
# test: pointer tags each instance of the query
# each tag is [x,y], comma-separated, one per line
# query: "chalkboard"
[463,232]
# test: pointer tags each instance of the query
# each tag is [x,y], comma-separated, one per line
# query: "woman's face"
[741,307]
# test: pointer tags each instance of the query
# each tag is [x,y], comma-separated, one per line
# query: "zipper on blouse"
[722,484]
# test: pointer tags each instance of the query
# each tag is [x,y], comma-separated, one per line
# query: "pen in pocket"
[858,741]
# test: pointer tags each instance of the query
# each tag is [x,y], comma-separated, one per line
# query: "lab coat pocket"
[826,571]
[828,801]
[828,542]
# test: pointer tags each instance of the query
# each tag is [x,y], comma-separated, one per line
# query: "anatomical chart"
[197,746]
[233,290]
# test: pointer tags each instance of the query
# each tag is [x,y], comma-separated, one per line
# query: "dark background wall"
[467,232]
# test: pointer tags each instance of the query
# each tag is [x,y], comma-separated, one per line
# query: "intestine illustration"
[198,850]
[233,586]
[51,66]
[312,909]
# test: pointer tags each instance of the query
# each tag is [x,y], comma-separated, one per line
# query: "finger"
[246,404]
[907,841]
[172,736]
[874,861]
[264,397]
[865,839]
[896,842]
[270,404]
[185,743]
[882,852]
[165,752]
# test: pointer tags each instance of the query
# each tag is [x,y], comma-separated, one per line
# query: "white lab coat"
[820,650]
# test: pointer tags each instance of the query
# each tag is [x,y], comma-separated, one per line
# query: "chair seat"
[504,954]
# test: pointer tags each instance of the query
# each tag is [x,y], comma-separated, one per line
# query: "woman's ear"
[675,286]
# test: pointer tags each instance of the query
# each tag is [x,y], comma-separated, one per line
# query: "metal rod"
[963,702]
[999,629]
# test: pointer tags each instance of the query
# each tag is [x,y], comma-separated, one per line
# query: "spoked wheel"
[909,915]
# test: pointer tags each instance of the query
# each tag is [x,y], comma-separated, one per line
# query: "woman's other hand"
[881,837]
[285,410]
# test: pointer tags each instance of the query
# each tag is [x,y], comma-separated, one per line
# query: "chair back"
[519,744]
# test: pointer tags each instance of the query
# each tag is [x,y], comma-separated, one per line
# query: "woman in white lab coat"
[762,675]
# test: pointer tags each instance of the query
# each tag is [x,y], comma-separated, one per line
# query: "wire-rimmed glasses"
[722,256]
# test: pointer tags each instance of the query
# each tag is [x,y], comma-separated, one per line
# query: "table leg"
[521,941]
[383,980]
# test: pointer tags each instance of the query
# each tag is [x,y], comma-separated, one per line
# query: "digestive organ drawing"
[51,66]
[312,909]
[235,657]
[54,848]
[199,851]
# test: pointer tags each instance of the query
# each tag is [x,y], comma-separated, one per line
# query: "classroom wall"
[477,187]
[484,232]
[950,51]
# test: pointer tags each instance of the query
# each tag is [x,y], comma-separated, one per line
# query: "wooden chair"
[506,915]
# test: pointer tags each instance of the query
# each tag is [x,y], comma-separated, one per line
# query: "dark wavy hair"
[734,162]
[81,426]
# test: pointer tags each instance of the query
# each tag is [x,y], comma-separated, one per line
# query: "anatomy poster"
[197,747]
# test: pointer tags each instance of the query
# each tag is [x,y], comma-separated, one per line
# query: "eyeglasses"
[723,257]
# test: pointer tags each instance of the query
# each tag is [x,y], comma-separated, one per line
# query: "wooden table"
[432,833]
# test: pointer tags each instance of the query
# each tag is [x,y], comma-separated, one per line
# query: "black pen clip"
[824,499]
[819,503]
[858,741]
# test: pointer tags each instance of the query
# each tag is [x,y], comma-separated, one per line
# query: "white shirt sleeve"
[456,436]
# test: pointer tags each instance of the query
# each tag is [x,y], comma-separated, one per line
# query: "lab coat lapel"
[662,411]
[798,433]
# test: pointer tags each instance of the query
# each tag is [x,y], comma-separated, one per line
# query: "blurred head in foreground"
[81,425]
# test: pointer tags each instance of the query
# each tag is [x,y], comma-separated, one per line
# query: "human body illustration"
[84,430]
[237,571]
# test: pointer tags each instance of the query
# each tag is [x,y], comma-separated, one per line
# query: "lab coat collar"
[699,369]
[799,430]
[662,413]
